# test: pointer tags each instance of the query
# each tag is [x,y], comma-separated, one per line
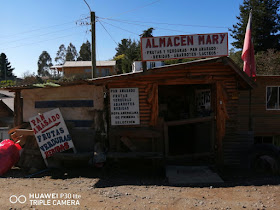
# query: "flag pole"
[249,63]
[250,91]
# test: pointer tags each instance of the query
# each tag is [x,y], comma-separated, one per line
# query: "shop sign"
[124,104]
[51,133]
[184,46]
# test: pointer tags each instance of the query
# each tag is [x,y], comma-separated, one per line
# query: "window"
[203,102]
[152,65]
[263,139]
[275,140]
[105,72]
[87,70]
[272,97]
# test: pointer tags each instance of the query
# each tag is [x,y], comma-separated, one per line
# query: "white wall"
[78,92]
[137,65]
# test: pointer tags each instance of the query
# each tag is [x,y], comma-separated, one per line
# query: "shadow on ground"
[134,173]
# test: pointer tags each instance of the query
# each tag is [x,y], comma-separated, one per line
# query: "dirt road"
[94,189]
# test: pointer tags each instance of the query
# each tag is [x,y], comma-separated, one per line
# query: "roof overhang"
[246,81]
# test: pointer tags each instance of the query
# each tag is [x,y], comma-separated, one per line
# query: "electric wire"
[40,35]
[173,24]
[159,28]
[39,41]
[135,9]
[108,32]
[119,28]
[38,29]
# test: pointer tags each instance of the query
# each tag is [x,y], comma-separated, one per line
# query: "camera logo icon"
[17,199]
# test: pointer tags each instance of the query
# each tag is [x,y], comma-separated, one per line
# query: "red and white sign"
[51,133]
[184,46]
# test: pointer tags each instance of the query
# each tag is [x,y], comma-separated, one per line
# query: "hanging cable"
[157,27]
[119,27]
[173,24]
[38,29]
[108,33]
[36,36]
[39,41]
[134,9]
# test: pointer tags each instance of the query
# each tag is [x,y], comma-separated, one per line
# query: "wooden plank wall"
[265,122]
[177,75]
[236,147]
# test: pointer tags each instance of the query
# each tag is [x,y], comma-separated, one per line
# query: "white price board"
[124,106]
[51,133]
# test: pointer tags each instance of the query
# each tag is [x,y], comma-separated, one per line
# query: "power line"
[155,27]
[38,29]
[119,27]
[108,32]
[134,9]
[38,42]
[187,25]
[87,5]
[37,36]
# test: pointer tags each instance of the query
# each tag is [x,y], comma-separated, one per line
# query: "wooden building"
[82,69]
[185,112]
[265,110]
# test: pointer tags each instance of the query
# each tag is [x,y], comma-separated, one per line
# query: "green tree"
[147,33]
[268,63]
[44,63]
[85,52]
[127,52]
[236,57]
[265,24]
[6,70]
[60,55]
[71,53]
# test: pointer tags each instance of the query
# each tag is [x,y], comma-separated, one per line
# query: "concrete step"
[191,175]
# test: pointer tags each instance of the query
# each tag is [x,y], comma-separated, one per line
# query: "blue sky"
[32,26]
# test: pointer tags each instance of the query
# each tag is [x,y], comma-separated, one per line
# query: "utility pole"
[93,48]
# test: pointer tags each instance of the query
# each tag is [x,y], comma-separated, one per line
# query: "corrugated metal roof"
[6,94]
[86,63]
[7,98]
[9,102]
[157,70]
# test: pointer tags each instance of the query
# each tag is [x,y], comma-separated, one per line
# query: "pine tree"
[61,55]
[44,64]
[265,24]
[71,53]
[6,70]
[85,52]
[147,33]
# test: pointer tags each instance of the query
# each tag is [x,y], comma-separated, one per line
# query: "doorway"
[188,116]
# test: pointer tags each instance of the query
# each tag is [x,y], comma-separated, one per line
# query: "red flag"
[248,53]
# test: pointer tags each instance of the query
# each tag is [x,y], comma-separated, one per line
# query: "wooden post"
[144,66]
[221,117]
[93,44]
[18,117]
[250,111]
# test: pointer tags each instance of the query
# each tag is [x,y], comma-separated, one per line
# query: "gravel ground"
[91,188]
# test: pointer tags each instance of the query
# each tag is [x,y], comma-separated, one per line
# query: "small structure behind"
[82,69]
[6,113]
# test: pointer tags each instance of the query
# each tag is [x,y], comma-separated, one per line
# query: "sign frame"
[51,133]
[124,106]
[192,39]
